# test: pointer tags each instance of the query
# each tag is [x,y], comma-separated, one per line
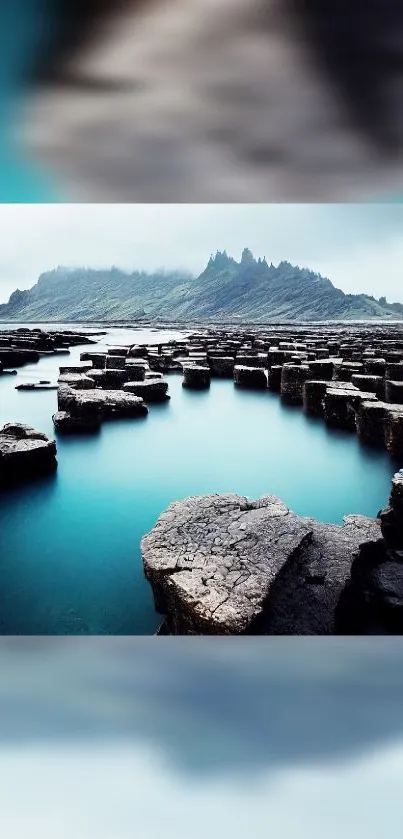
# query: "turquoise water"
[69,544]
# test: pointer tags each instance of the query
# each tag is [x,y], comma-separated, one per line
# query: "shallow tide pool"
[69,544]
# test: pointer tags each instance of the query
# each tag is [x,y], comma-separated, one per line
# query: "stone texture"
[99,404]
[250,377]
[394,392]
[196,377]
[151,390]
[293,378]
[222,564]
[24,453]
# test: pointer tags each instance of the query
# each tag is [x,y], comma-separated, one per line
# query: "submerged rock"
[36,386]
[222,564]
[24,453]
[222,366]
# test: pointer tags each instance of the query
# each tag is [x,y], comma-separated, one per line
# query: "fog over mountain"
[251,289]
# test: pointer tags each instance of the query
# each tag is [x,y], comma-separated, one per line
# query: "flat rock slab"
[222,564]
[100,403]
[24,453]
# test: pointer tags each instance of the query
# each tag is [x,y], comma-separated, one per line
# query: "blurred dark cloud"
[188,100]
[215,706]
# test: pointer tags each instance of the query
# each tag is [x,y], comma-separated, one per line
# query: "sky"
[359,247]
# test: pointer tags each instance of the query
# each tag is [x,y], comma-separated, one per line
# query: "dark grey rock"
[222,564]
[24,453]
[195,376]
[250,377]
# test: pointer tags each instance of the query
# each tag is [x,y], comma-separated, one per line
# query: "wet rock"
[79,368]
[394,392]
[372,601]
[369,384]
[250,377]
[151,390]
[115,362]
[99,404]
[136,370]
[35,386]
[274,378]
[222,366]
[293,378]
[347,369]
[341,405]
[394,372]
[321,370]
[394,433]
[108,379]
[313,394]
[195,376]
[370,422]
[79,381]
[97,359]
[24,453]
[375,366]
[18,357]
[66,423]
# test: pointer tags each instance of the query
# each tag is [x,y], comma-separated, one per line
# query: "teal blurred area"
[26,26]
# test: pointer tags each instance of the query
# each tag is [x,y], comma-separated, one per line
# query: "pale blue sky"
[359,247]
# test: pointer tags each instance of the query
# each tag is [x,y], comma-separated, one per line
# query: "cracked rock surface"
[24,453]
[223,564]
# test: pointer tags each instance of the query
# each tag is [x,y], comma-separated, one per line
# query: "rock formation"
[24,453]
[222,564]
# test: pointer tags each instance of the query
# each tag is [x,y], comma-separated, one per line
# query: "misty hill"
[250,290]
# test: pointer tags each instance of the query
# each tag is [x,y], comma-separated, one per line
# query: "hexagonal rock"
[321,370]
[369,384]
[251,377]
[313,394]
[79,381]
[97,359]
[274,378]
[110,379]
[394,392]
[222,564]
[222,366]
[115,362]
[136,370]
[394,433]
[151,390]
[293,378]
[395,372]
[66,423]
[195,376]
[341,405]
[102,404]
[370,422]
[24,453]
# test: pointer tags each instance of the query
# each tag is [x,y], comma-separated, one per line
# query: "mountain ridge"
[251,289]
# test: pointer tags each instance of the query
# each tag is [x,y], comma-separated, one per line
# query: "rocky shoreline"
[225,564]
